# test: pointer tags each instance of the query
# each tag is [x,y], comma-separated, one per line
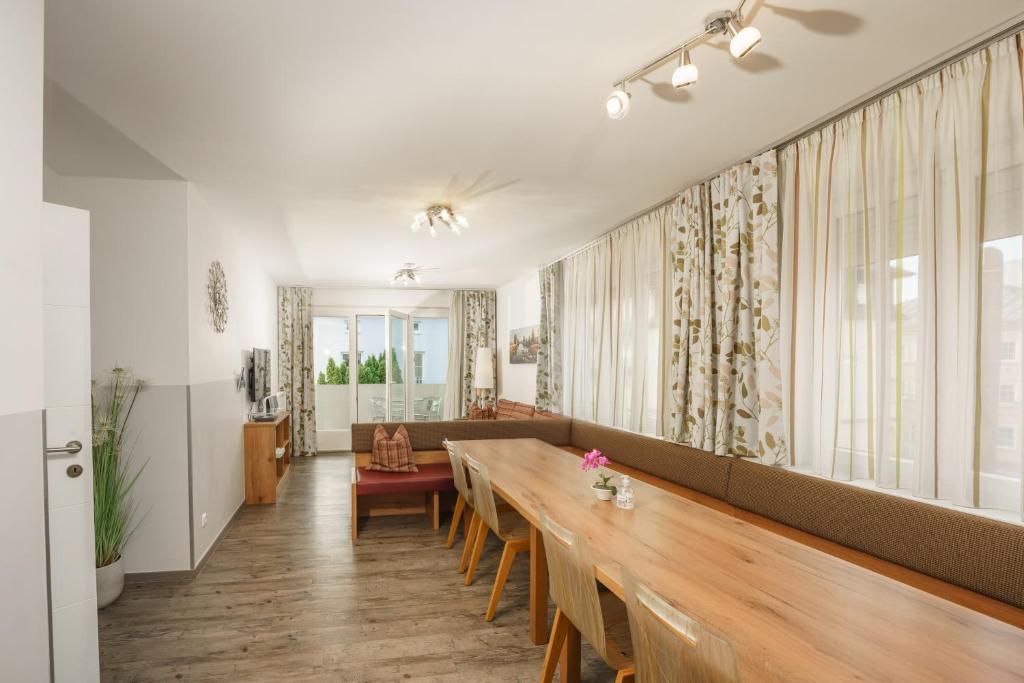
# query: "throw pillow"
[392,453]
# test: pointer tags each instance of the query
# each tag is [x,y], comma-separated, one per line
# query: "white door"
[397,366]
[67,370]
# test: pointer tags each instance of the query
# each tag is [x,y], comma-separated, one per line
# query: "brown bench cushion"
[430,477]
[428,436]
[513,410]
[689,467]
[970,551]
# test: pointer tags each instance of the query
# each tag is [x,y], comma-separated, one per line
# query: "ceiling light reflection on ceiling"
[439,214]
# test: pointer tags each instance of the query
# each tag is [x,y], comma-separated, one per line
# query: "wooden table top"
[793,613]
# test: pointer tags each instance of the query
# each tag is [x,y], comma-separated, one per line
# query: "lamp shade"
[483,370]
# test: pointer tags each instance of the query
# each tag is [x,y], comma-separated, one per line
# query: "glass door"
[371,378]
[398,366]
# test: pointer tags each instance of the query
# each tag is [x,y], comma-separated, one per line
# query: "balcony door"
[379,366]
[398,331]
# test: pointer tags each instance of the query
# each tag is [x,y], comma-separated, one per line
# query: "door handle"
[71,447]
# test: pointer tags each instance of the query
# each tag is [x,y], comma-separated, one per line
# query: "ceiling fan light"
[617,104]
[433,232]
[743,40]
[461,220]
[686,73]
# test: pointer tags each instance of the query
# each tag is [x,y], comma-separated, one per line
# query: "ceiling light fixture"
[686,73]
[743,39]
[439,214]
[617,103]
[409,274]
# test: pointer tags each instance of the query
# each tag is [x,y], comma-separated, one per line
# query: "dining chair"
[506,523]
[464,507]
[671,647]
[581,610]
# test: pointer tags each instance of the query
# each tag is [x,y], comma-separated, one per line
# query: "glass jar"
[624,497]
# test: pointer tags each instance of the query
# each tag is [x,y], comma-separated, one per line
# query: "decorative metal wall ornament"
[217,296]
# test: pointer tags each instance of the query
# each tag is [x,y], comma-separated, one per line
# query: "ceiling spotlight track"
[436,215]
[743,39]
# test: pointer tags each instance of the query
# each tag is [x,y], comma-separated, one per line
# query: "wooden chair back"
[483,494]
[458,470]
[572,582]
[669,646]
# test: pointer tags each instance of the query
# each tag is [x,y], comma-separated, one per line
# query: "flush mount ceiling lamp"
[410,274]
[743,39]
[439,215]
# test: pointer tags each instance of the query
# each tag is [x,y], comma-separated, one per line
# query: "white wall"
[398,297]
[518,306]
[140,321]
[217,409]
[24,634]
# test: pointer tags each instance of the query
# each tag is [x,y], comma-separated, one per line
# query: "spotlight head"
[743,40]
[686,73]
[617,104]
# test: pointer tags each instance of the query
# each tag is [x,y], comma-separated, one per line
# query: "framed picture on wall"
[523,344]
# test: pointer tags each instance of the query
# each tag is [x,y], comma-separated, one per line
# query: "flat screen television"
[259,375]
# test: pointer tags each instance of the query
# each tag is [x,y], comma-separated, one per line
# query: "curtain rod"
[976,44]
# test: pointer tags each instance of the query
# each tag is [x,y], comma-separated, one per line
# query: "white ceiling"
[328,124]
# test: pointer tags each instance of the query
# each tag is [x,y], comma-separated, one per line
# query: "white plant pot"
[109,582]
[602,494]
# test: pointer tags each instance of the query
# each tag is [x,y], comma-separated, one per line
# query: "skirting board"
[185,575]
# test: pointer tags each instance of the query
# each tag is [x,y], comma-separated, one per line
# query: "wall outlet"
[202,520]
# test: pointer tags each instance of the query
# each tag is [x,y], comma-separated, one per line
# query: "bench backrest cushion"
[513,410]
[689,467]
[970,551]
[428,436]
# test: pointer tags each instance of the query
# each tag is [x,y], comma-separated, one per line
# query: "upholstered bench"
[390,491]
[400,493]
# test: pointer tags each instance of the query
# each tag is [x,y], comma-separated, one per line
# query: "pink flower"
[593,460]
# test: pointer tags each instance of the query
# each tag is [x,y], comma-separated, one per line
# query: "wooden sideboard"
[268,452]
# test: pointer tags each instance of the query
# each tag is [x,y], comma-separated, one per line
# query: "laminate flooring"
[286,596]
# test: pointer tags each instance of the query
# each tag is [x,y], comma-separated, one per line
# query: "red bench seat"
[431,477]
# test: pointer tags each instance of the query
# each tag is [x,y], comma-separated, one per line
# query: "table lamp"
[483,372]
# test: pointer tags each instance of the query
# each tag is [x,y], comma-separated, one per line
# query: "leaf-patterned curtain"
[472,324]
[726,388]
[549,356]
[295,364]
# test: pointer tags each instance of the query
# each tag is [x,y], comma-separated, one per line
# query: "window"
[1008,351]
[331,369]
[417,367]
[430,367]
[1007,394]
[1007,437]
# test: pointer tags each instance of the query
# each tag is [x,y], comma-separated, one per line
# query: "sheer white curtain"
[613,325]
[902,250]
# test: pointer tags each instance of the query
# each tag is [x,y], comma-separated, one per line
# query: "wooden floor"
[286,596]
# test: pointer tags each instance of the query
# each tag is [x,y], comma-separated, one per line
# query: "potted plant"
[594,460]
[113,505]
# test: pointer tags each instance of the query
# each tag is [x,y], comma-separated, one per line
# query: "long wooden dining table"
[793,613]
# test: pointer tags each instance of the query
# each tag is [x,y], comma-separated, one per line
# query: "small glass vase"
[624,497]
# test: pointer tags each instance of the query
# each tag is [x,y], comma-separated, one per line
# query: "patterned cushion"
[478,413]
[391,453]
[513,410]
[505,409]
